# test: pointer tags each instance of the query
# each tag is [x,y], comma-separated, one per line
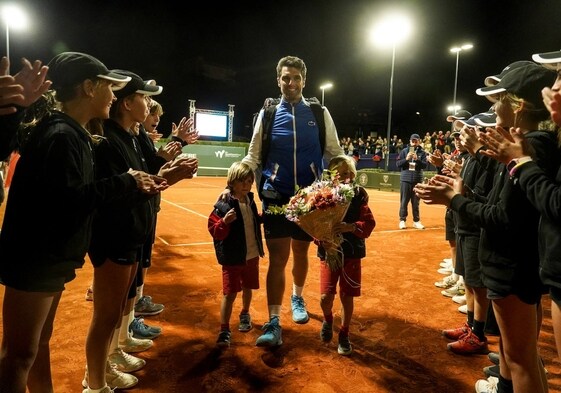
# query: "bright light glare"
[326,86]
[14,17]
[391,30]
[460,48]
[451,108]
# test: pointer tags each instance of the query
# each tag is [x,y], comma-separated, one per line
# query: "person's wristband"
[516,163]
[178,139]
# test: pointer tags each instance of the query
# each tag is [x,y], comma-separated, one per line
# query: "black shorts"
[467,254]
[277,226]
[450,225]
[47,278]
[128,257]
[527,289]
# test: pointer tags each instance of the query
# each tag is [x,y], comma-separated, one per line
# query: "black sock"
[479,329]
[504,386]
[470,316]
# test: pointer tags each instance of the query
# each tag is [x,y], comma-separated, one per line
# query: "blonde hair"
[336,162]
[155,108]
[238,171]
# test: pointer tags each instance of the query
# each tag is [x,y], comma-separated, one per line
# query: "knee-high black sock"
[470,316]
[479,329]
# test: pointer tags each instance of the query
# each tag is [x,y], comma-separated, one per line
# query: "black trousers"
[407,195]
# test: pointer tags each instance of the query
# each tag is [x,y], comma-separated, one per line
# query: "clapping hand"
[503,145]
[24,88]
[179,169]
[147,183]
[552,101]
[185,131]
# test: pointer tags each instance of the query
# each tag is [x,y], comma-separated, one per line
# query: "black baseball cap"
[525,82]
[494,79]
[483,119]
[415,136]
[549,60]
[137,85]
[69,69]
[462,114]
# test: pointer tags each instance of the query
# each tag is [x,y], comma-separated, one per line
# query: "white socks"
[296,290]
[124,329]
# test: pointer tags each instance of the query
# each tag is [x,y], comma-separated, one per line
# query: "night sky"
[227,55]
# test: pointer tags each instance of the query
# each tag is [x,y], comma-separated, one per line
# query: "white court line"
[184,208]
[373,233]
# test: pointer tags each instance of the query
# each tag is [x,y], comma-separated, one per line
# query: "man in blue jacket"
[294,160]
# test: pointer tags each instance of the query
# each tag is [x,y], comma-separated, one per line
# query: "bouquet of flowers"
[317,208]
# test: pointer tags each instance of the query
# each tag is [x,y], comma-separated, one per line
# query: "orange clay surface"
[396,328]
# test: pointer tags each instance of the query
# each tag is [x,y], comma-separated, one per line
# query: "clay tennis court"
[395,332]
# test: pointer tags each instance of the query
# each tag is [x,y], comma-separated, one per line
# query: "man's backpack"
[270,108]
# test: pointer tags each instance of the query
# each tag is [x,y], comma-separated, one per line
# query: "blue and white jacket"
[295,158]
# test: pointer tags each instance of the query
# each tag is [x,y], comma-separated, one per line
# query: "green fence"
[214,160]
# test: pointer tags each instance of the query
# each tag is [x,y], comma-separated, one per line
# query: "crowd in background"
[378,146]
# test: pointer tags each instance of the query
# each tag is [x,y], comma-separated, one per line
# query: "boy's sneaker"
[463,309]
[468,344]
[273,334]
[446,262]
[402,225]
[114,378]
[455,334]
[457,289]
[145,306]
[345,348]
[89,294]
[459,299]
[299,313]
[245,323]
[447,282]
[326,333]
[489,385]
[491,371]
[418,225]
[133,345]
[140,330]
[124,362]
[224,339]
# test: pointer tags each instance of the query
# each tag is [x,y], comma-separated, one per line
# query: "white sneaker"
[447,260]
[463,309]
[132,345]
[402,225]
[114,378]
[489,385]
[106,389]
[457,289]
[459,299]
[119,380]
[446,263]
[447,282]
[446,270]
[126,363]
[418,225]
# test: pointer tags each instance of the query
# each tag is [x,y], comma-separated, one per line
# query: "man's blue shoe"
[299,313]
[273,334]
